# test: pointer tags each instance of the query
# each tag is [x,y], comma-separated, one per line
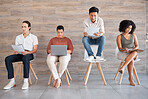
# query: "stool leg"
[135,73]
[30,82]
[33,72]
[101,72]
[20,75]
[16,72]
[87,73]
[66,78]
[50,78]
[118,70]
[68,74]
[121,76]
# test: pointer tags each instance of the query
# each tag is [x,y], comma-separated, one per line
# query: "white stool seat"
[94,49]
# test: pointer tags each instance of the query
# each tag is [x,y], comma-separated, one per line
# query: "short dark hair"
[125,24]
[27,22]
[59,27]
[93,9]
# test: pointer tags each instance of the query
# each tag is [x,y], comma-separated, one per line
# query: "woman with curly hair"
[127,42]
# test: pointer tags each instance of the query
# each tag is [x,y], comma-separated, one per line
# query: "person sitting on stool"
[30,43]
[98,39]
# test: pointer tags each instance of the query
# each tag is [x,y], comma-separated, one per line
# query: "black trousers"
[17,58]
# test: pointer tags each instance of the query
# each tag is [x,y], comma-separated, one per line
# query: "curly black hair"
[125,24]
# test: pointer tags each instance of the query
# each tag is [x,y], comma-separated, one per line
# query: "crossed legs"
[129,62]
[51,62]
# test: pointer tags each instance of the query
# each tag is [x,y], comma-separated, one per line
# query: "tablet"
[92,30]
[18,48]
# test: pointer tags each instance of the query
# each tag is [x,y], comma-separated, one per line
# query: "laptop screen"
[58,50]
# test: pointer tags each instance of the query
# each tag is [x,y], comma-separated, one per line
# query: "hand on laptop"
[68,51]
[15,52]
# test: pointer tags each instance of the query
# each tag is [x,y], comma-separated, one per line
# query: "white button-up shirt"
[98,23]
[28,42]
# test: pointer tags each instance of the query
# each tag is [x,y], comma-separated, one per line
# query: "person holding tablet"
[63,60]
[94,34]
[30,44]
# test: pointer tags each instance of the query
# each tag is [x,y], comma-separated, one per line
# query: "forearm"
[122,49]
[136,47]
[33,51]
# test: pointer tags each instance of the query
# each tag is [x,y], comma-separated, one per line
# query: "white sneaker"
[25,85]
[90,58]
[98,58]
[10,85]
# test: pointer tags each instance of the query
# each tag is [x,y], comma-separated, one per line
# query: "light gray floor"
[95,88]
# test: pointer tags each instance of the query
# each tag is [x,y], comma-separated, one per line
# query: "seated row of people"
[93,35]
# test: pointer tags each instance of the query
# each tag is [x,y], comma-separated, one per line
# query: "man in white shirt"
[30,43]
[98,38]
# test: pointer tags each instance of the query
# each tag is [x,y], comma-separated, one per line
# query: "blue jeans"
[100,41]
[16,58]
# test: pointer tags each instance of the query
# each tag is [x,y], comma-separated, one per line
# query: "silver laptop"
[58,50]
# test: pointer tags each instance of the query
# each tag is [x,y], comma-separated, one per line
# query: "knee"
[25,58]
[64,61]
[132,62]
[7,59]
[103,38]
[134,52]
[84,39]
[49,60]
[50,63]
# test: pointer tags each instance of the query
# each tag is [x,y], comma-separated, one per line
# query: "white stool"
[94,49]
[122,62]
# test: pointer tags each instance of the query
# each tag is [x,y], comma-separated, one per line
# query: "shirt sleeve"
[17,41]
[35,40]
[49,44]
[101,26]
[70,46]
[85,26]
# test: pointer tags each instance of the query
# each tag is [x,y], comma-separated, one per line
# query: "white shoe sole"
[10,87]
[101,60]
[24,88]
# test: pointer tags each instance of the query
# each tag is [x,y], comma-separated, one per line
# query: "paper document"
[18,48]
[92,30]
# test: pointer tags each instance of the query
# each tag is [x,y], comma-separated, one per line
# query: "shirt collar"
[27,36]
